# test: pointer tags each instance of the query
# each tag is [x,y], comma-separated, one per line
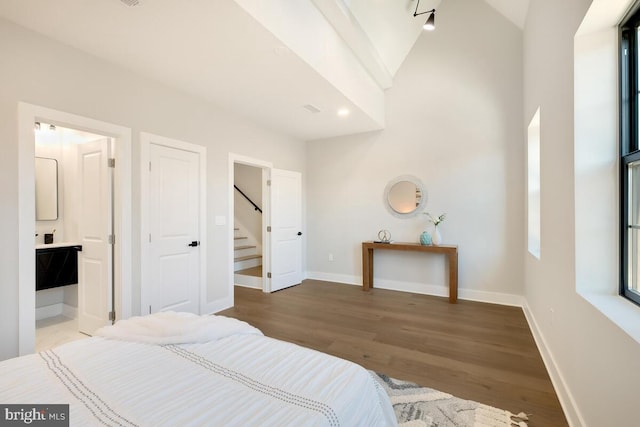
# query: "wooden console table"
[449,250]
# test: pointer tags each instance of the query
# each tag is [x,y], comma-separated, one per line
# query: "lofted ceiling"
[217,51]
[514,10]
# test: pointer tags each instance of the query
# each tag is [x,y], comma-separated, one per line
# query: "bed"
[177,369]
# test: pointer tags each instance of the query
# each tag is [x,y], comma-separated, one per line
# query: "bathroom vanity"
[56,265]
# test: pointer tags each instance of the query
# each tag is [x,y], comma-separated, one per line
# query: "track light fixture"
[430,25]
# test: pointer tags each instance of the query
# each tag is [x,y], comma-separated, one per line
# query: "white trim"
[28,114]
[146,139]
[344,279]
[266,216]
[58,309]
[266,237]
[423,288]
[47,311]
[567,401]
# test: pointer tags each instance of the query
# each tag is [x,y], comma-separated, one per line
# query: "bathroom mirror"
[405,196]
[46,189]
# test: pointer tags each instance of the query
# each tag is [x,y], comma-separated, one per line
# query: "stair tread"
[244,258]
[251,271]
[237,248]
[240,238]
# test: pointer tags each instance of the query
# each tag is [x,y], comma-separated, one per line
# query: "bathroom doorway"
[117,261]
[74,212]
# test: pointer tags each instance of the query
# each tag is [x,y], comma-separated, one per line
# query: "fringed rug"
[417,406]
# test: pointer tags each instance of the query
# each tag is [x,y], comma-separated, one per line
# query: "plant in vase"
[436,237]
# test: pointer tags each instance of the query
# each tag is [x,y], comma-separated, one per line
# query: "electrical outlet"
[330,257]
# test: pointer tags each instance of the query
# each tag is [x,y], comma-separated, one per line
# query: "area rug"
[417,406]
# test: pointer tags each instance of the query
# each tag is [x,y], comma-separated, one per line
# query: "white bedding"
[243,379]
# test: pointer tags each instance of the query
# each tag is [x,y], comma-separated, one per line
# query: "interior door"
[174,198]
[95,299]
[286,229]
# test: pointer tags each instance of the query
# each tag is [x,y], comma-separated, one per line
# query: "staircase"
[247,263]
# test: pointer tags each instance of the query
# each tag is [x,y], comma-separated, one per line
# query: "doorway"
[248,225]
[281,224]
[74,210]
[121,267]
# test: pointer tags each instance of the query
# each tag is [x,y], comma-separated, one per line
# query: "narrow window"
[630,157]
[533,185]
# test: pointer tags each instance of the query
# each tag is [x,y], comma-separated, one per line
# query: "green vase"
[425,238]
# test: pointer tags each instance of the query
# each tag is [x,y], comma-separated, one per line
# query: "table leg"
[453,277]
[367,268]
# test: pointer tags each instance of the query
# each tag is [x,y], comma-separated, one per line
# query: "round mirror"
[405,196]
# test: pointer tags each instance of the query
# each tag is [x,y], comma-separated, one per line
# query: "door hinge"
[269,275]
[268,229]
[149,166]
[268,183]
[112,163]
[112,316]
[112,239]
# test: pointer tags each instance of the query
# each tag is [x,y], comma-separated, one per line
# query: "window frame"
[629,50]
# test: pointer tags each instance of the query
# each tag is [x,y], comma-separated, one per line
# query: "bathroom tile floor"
[54,331]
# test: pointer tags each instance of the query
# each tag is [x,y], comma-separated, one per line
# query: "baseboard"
[568,403]
[337,278]
[47,311]
[422,288]
[54,310]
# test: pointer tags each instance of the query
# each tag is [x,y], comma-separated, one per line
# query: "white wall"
[40,71]
[590,359]
[454,120]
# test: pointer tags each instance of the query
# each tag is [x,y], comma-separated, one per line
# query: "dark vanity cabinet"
[56,266]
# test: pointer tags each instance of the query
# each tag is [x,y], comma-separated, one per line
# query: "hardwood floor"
[476,351]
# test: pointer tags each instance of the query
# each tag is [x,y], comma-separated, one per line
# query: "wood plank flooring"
[476,351]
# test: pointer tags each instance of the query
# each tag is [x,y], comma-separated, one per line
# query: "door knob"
[194,244]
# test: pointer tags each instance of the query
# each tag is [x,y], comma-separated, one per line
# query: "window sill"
[623,313]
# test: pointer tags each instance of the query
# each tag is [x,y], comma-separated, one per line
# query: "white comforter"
[237,379]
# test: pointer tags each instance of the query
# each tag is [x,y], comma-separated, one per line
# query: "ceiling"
[514,10]
[216,51]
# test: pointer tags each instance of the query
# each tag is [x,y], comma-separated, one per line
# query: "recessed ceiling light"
[343,112]
[311,108]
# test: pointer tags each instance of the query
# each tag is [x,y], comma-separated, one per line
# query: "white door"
[94,227]
[174,248]
[286,229]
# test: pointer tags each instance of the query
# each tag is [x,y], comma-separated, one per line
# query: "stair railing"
[247,197]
